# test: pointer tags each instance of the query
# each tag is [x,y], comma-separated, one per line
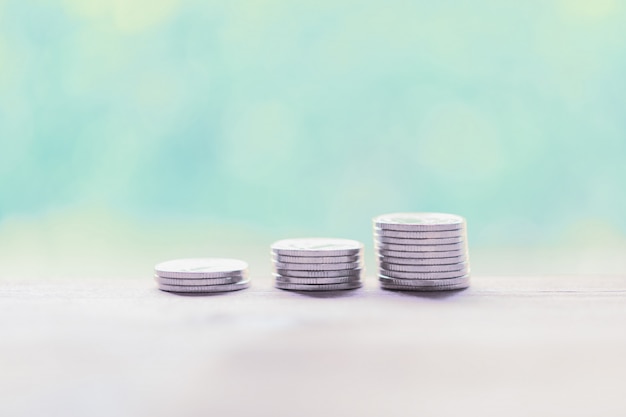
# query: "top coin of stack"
[317,264]
[422,251]
[202,275]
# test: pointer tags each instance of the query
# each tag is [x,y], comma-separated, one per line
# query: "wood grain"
[516,346]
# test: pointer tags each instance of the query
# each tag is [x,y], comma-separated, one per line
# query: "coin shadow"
[327,294]
[199,294]
[430,295]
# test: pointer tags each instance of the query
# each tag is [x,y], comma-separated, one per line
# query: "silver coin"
[317,247]
[424,282]
[317,267]
[421,248]
[420,235]
[423,262]
[317,281]
[205,288]
[315,259]
[419,222]
[400,241]
[424,268]
[421,255]
[198,281]
[322,287]
[319,274]
[418,276]
[389,286]
[201,268]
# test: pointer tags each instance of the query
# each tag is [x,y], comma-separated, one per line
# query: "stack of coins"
[317,264]
[202,275]
[422,251]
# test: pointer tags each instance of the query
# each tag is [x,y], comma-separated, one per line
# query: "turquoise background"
[276,119]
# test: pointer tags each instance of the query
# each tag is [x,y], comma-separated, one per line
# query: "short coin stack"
[202,275]
[317,264]
[422,251]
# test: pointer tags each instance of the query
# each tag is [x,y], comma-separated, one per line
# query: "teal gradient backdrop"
[310,117]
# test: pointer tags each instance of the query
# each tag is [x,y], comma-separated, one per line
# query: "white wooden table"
[514,346]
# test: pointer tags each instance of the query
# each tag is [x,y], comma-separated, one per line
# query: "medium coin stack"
[422,251]
[317,264]
[202,275]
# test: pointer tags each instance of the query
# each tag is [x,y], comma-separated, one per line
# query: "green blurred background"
[135,131]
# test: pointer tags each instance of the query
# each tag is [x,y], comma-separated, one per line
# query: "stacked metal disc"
[202,275]
[317,264]
[422,251]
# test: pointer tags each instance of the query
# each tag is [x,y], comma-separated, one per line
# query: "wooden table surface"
[514,346]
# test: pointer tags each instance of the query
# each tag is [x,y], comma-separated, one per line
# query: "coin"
[421,255]
[424,268]
[205,288]
[401,241]
[201,268]
[317,267]
[317,246]
[464,280]
[322,287]
[420,248]
[198,281]
[422,275]
[315,259]
[319,274]
[460,286]
[419,235]
[317,281]
[419,222]
[420,261]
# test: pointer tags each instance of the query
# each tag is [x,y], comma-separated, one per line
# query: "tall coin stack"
[202,275]
[317,264]
[422,251]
